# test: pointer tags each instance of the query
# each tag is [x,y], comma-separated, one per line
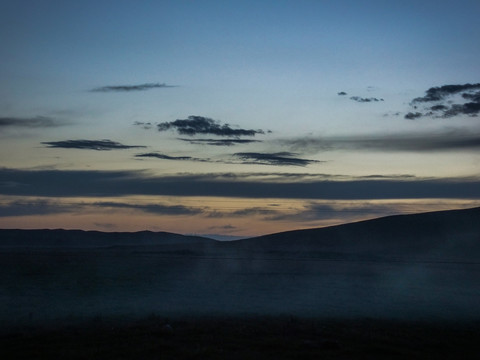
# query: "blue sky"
[94,88]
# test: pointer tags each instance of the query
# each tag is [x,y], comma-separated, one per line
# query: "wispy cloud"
[167,157]
[364,100]
[47,207]
[34,207]
[256,211]
[314,211]
[250,158]
[129,88]
[223,227]
[33,122]
[280,158]
[159,209]
[145,125]
[194,125]
[100,145]
[443,141]
[361,99]
[219,142]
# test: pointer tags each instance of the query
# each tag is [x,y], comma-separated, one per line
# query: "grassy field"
[154,337]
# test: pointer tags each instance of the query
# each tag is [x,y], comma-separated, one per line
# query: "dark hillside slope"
[91,239]
[453,234]
[445,235]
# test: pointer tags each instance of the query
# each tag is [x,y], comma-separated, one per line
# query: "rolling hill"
[442,235]
[453,234]
[59,238]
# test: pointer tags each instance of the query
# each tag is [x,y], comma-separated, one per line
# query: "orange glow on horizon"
[222,216]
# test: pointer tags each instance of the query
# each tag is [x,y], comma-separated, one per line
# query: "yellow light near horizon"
[204,215]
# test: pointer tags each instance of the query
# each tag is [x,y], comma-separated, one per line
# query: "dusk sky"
[236,118]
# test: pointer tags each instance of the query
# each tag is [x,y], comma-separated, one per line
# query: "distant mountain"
[444,235]
[60,238]
[453,234]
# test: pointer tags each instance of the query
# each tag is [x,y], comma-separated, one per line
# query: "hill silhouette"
[60,238]
[452,234]
[440,235]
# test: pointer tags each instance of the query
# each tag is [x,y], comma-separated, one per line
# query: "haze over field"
[413,267]
[236,118]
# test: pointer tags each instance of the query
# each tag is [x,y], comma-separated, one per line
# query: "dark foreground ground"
[244,338]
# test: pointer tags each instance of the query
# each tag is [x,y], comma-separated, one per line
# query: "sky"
[236,118]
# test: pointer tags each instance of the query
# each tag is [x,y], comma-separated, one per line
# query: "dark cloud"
[201,125]
[411,115]
[472,96]
[442,92]
[446,141]
[280,158]
[471,108]
[158,209]
[362,100]
[255,211]
[47,207]
[33,207]
[127,88]
[219,142]
[446,109]
[167,157]
[438,108]
[342,93]
[34,122]
[90,145]
[388,177]
[58,183]
[271,176]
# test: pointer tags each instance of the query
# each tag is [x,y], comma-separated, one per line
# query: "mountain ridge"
[439,234]
[91,238]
